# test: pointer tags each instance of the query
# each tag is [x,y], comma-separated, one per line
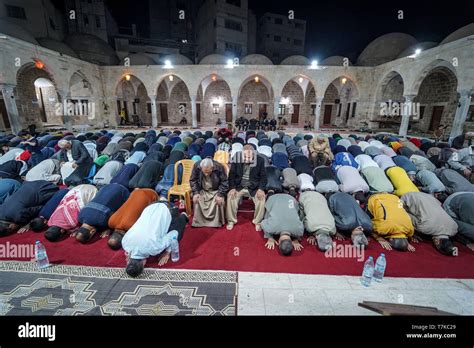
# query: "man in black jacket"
[247,178]
[24,205]
[210,185]
[74,153]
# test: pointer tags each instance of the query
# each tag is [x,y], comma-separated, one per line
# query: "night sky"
[340,27]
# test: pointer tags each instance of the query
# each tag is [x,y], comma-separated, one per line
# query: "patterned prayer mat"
[79,290]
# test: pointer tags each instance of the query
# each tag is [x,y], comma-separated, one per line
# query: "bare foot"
[339,236]
[164,258]
[106,233]
[258,227]
[230,227]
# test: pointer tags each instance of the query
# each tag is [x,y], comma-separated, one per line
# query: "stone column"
[12,110]
[194,111]
[154,115]
[317,113]
[461,114]
[67,119]
[406,114]
[235,99]
[276,106]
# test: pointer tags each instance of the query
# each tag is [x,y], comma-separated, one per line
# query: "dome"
[385,48]
[140,59]
[295,60]
[57,46]
[459,34]
[334,61]
[214,59]
[16,31]
[92,49]
[177,59]
[256,59]
[422,45]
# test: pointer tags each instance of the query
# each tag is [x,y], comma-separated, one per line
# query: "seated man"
[246,178]
[454,181]
[183,120]
[210,185]
[317,219]
[65,217]
[151,235]
[124,218]
[325,180]
[95,215]
[75,162]
[282,222]
[350,180]
[45,170]
[460,206]
[400,181]
[430,219]
[24,205]
[391,223]
[462,161]
[320,151]
[291,184]
[350,218]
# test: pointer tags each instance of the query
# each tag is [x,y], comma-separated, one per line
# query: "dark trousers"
[178,223]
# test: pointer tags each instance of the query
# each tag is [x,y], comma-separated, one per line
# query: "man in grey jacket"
[75,155]
[463,161]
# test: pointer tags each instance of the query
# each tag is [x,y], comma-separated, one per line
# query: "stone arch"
[132,96]
[37,96]
[438,99]
[179,104]
[216,100]
[348,95]
[255,97]
[293,99]
[426,70]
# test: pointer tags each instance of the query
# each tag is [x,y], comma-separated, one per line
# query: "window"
[86,20]
[15,12]
[278,21]
[339,111]
[348,106]
[277,38]
[298,42]
[97,21]
[248,108]
[148,108]
[354,105]
[215,108]
[233,2]
[281,109]
[422,112]
[233,25]
[470,113]
[313,109]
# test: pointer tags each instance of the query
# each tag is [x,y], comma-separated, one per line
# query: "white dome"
[256,59]
[57,46]
[177,59]
[465,31]
[16,31]
[214,59]
[385,48]
[140,59]
[334,61]
[295,60]
[92,49]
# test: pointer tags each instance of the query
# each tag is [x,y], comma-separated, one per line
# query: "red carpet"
[243,249]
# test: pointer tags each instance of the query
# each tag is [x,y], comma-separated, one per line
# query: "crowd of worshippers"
[115,185]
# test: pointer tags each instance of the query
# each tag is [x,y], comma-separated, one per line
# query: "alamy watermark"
[395,109]
[346,251]
[17,251]
[76,108]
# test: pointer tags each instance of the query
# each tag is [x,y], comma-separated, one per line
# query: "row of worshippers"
[244,179]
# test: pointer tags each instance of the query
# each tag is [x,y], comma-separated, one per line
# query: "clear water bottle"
[368,272]
[379,269]
[174,250]
[40,254]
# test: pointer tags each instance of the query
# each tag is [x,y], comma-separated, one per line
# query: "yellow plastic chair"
[223,157]
[183,190]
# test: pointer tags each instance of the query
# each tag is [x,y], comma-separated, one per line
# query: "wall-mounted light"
[127,77]
[214,78]
[257,79]
[314,64]
[171,77]
[168,64]
[230,63]
[416,54]
[300,80]
[343,80]
[39,64]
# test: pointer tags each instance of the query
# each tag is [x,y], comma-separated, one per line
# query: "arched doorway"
[216,101]
[389,96]
[255,98]
[343,93]
[133,100]
[80,94]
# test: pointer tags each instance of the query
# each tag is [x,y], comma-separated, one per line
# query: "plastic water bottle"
[174,250]
[379,269]
[368,272]
[41,257]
